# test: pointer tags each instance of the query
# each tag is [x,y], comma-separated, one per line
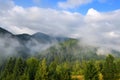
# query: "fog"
[11,46]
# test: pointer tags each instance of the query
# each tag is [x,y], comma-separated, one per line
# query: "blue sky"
[99,5]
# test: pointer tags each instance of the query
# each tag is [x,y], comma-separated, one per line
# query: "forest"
[40,69]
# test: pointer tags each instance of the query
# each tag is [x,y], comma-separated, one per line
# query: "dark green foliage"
[24,77]
[91,72]
[32,65]
[117,63]
[19,68]
[8,70]
[109,69]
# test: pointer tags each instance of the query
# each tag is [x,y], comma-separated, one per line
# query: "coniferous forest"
[40,69]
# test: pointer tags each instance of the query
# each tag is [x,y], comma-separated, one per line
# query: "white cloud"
[102,28]
[94,28]
[93,15]
[19,30]
[73,3]
[43,20]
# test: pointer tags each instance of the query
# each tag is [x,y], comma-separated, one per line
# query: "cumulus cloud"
[94,28]
[73,3]
[102,29]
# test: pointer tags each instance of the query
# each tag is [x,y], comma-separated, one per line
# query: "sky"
[94,21]
[81,6]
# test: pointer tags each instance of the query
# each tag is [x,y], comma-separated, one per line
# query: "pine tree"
[91,73]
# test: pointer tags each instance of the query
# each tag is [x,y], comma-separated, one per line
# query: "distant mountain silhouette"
[40,37]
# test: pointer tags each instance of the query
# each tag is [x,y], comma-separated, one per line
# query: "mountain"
[25,37]
[41,37]
[46,38]
[24,44]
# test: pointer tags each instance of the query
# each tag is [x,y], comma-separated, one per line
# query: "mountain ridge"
[37,36]
[24,44]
